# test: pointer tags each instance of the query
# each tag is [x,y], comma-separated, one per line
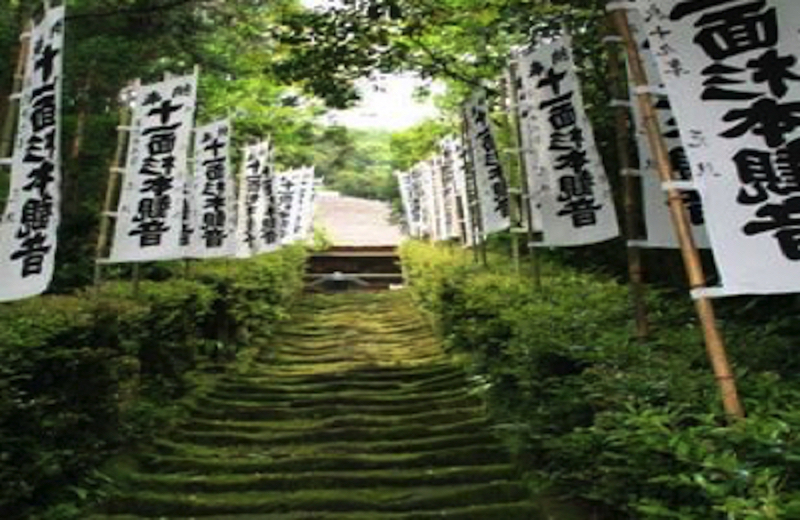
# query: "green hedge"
[635,427]
[77,371]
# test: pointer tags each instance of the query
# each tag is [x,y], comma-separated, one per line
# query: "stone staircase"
[357,416]
[364,268]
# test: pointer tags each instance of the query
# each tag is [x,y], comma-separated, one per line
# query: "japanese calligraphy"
[32,214]
[153,216]
[657,220]
[213,196]
[492,187]
[570,190]
[738,104]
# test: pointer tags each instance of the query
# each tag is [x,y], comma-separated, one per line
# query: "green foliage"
[85,374]
[637,427]
[416,144]
[356,162]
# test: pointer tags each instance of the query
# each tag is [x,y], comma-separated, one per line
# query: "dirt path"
[350,221]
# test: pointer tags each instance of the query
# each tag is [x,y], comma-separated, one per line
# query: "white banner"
[428,192]
[295,194]
[305,213]
[150,215]
[576,202]
[660,232]
[28,231]
[443,221]
[410,208]
[286,198]
[214,193]
[257,213]
[530,134]
[730,67]
[492,186]
[453,153]
[268,237]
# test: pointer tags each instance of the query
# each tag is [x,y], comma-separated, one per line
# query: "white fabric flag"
[453,150]
[250,201]
[493,197]
[658,223]
[269,234]
[286,193]
[416,225]
[731,70]
[214,193]
[442,231]
[406,194]
[428,199]
[305,212]
[150,214]
[576,202]
[449,193]
[531,134]
[29,226]
[293,189]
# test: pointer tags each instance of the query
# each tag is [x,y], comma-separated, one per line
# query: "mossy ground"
[354,413]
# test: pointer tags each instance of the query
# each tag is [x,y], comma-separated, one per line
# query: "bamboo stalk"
[715,346]
[111,189]
[513,73]
[623,124]
[12,111]
[477,216]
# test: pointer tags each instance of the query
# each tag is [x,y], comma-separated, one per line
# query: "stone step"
[376,499]
[521,510]
[187,483]
[252,461]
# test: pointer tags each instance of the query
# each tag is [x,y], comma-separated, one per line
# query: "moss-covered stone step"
[522,510]
[377,444]
[454,381]
[262,413]
[183,483]
[401,372]
[376,499]
[354,428]
[353,413]
[253,461]
[325,407]
[259,393]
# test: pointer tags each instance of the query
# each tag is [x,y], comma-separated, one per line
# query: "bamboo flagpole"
[526,199]
[115,173]
[619,90]
[715,346]
[7,137]
[513,163]
[479,237]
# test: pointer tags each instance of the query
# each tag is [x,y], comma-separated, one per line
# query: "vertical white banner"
[290,200]
[417,224]
[405,188]
[268,239]
[151,209]
[28,231]
[530,133]
[453,152]
[305,213]
[576,205]
[250,200]
[495,208]
[440,203]
[428,199]
[660,233]
[214,193]
[731,70]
